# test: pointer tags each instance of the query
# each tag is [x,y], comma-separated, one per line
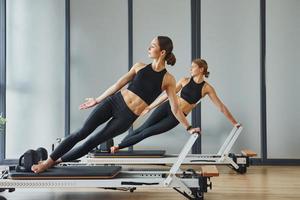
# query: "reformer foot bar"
[189,183]
[239,162]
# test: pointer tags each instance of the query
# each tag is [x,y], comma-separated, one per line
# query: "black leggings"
[113,107]
[160,121]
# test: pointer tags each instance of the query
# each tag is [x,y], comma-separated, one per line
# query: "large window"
[99,51]
[171,18]
[282,78]
[230,43]
[35,74]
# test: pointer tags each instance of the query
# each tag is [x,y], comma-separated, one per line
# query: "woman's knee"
[147,133]
[91,143]
[138,130]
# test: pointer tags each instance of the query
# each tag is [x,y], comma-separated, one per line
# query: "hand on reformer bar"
[195,130]
[237,125]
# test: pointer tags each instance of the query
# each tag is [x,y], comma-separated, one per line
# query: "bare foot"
[43,166]
[56,162]
[114,149]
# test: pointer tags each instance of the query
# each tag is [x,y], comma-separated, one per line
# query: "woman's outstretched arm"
[120,83]
[219,104]
[90,102]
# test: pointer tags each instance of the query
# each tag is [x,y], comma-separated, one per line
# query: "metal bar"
[232,141]
[67,67]
[2,75]
[196,53]
[263,106]
[146,161]
[225,144]
[187,147]
[130,48]
[116,182]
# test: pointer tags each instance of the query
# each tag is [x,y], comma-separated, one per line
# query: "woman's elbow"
[175,110]
[178,113]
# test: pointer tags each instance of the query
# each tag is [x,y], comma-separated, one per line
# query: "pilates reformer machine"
[239,162]
[190,183]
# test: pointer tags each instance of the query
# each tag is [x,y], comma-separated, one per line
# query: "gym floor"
[260,182]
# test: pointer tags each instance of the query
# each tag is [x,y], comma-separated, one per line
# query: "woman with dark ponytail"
[122,107]
[191,89]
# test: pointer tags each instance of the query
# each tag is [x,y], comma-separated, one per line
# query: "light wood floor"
[260,183]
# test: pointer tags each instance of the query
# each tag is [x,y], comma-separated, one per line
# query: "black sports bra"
[147,83]
[192,92]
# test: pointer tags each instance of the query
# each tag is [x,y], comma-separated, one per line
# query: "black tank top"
[147,83]
[192,92]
